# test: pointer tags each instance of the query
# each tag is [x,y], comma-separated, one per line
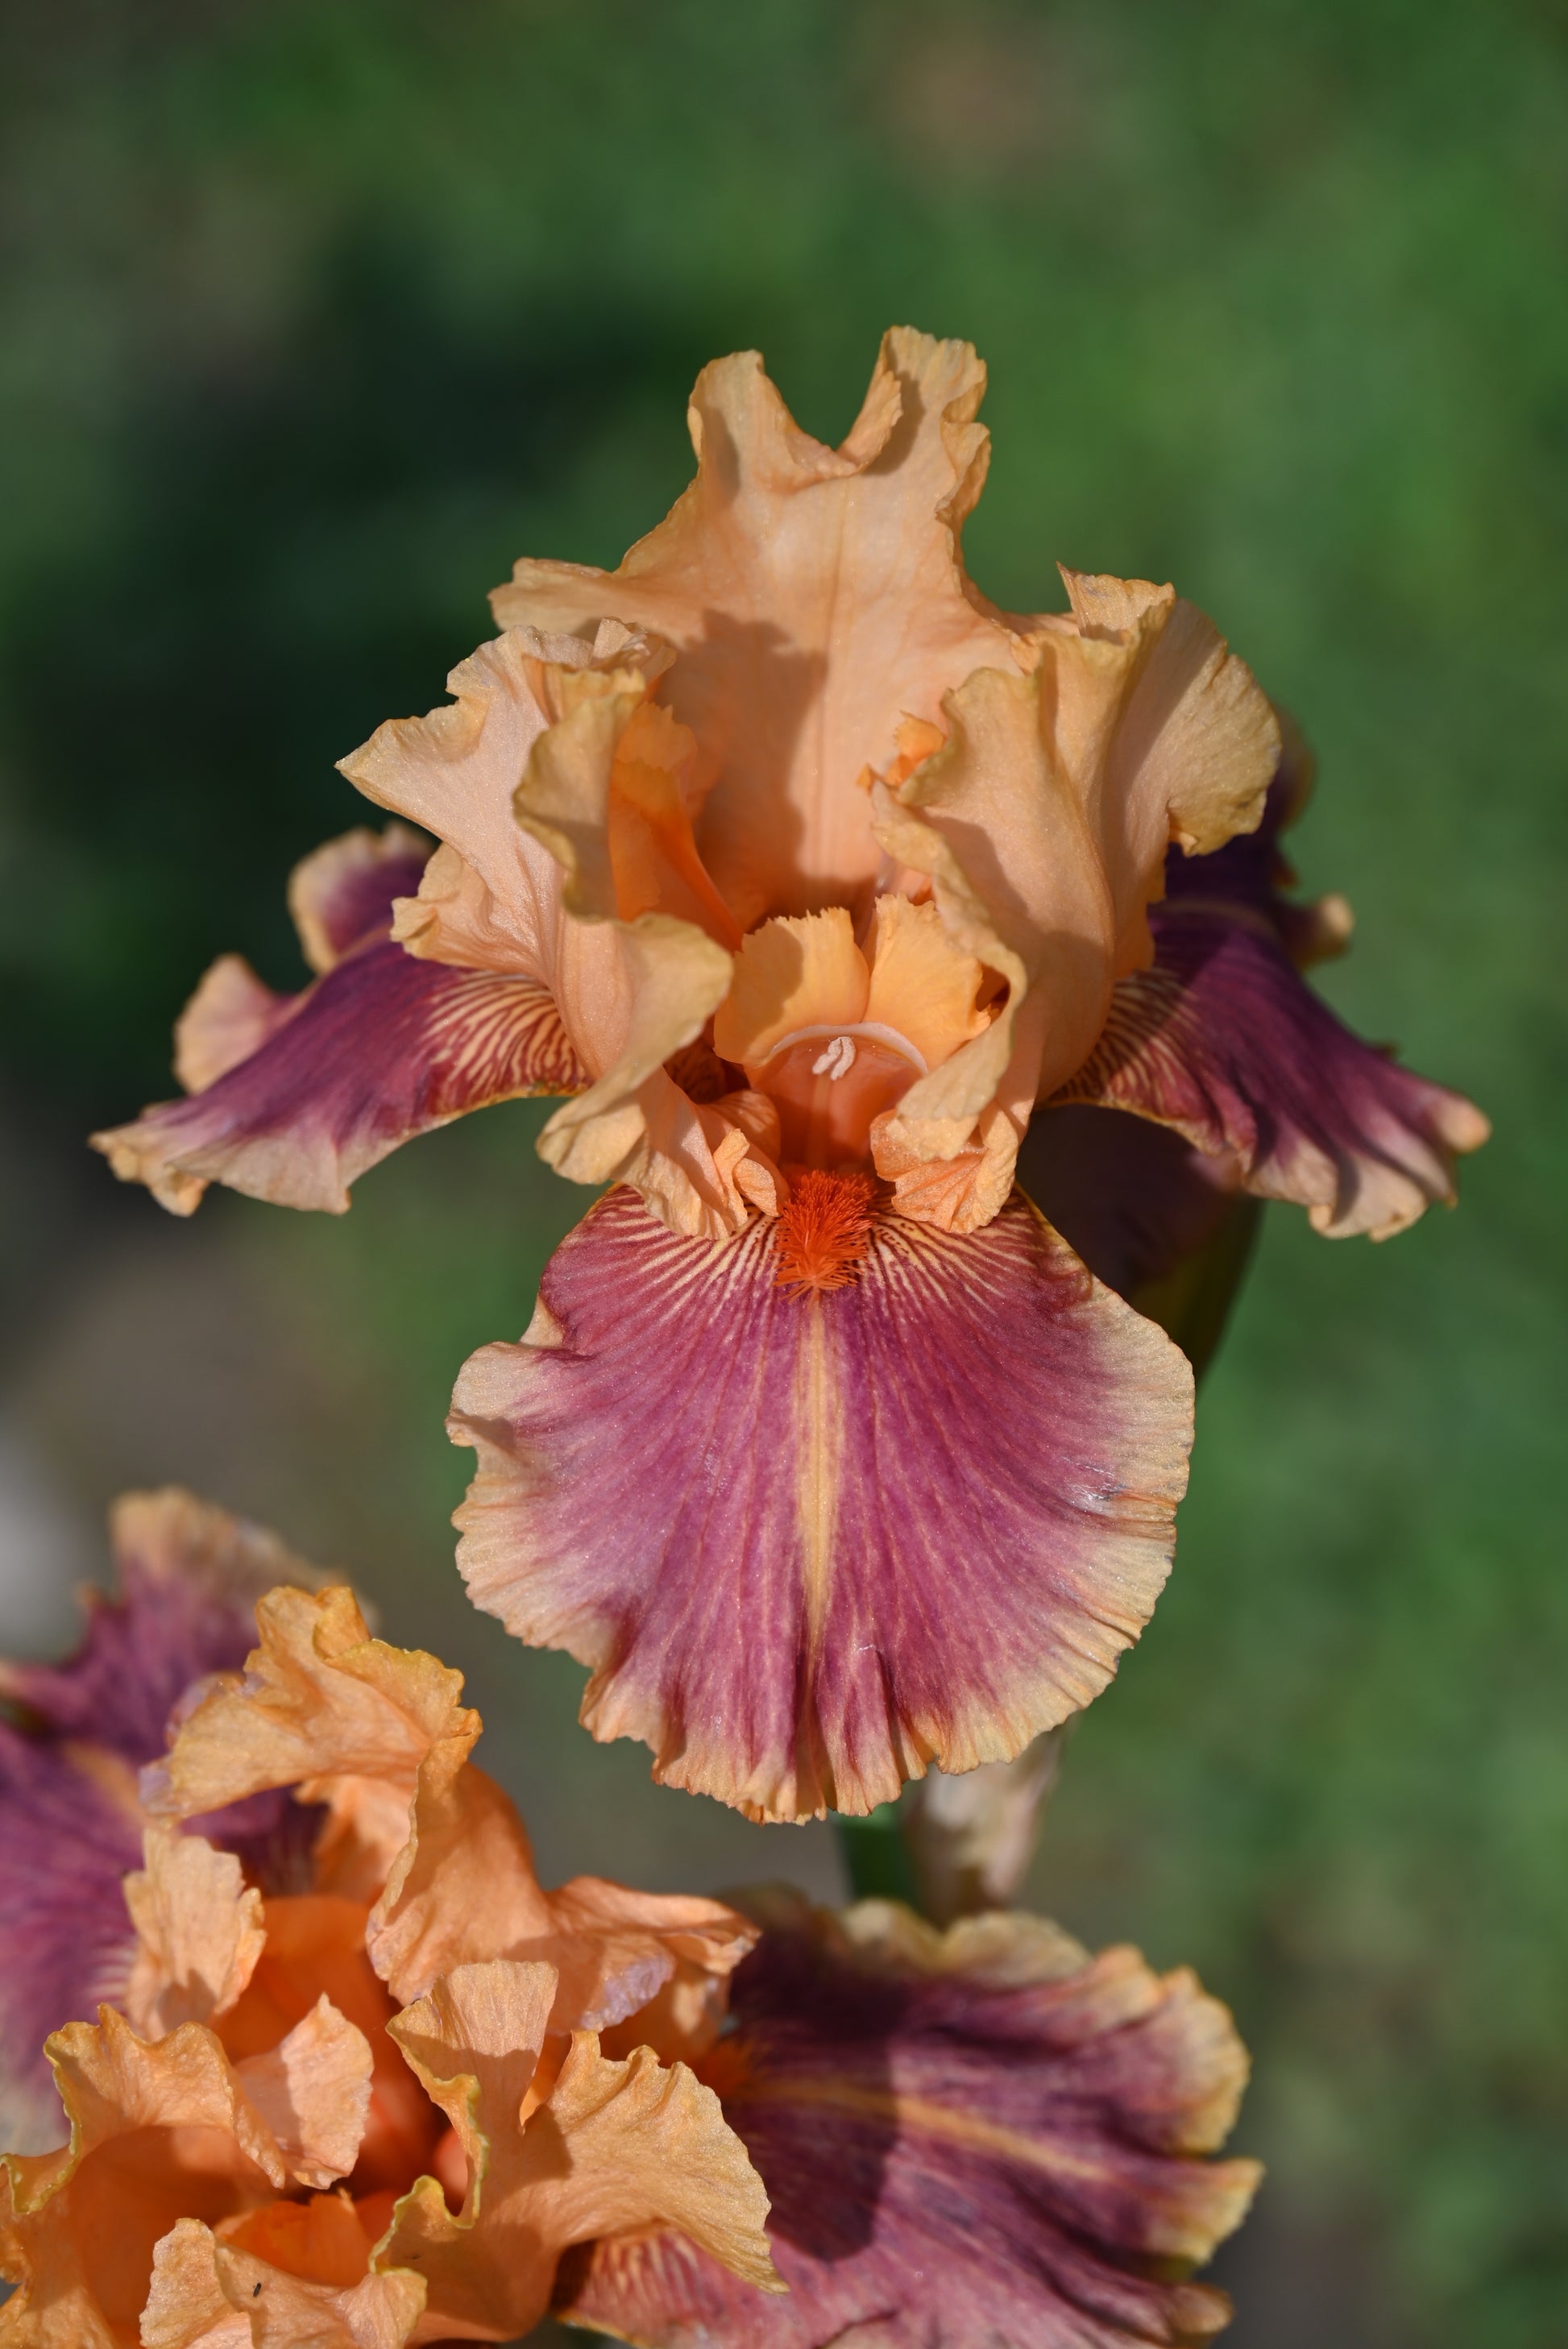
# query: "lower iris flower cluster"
[355,2078]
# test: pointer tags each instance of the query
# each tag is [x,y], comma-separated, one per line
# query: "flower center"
[829,1083]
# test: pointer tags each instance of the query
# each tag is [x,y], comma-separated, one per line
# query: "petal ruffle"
[1042,822]
[188,1578]
[613,2147]
[384,1047]
[808,1545]
[985,2138]
[815,596]
[212,2294]
[378,1735]
[199,1931]
[455,772]
[521,775]
[158,2132]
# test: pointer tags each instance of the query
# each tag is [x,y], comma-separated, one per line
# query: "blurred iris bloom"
[414,2098]
[810,877]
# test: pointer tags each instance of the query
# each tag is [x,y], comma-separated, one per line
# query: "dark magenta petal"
[64,1939]
[70,1825]
[1167,1227]
[1133,1198]
[989,2141]
[1221,1038]
[141,1653]
[1224,1042]
[384,1047]
[810,1543]
[345,891]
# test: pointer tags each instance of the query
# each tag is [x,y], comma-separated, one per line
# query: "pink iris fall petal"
[809,1543]
[982,2140]
[294,1097]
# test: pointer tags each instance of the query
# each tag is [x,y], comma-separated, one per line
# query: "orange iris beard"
[824,1232]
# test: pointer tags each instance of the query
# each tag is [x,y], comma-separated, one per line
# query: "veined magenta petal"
[811,1544]
[344,892]
[1000,2151]
[384,1047]
[1223,1039]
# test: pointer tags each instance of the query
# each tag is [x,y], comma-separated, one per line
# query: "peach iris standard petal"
[616,2146]
[158,2132]
[985,2138]
[564,798]
[917,1517]
[378,1734]
[815,597]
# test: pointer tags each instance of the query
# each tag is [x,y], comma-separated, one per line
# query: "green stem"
[876,1859]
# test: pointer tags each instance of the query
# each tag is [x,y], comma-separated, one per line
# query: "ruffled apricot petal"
[313,2091]
[619,1952]
[464,1891]
[815,597]
[378,1735]
[1185,742]
[188,1575]
[324,1707]
[986,2138]
[1044,820]
[212,2293]
[455,770]
[199,1932]
[158,2132]
[558,822]
[809,1544]
[316,1947]
[654,981]
[1222,1039]
[613,2146]
[383,1048]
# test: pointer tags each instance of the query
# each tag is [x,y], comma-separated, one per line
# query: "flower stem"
[876,1857]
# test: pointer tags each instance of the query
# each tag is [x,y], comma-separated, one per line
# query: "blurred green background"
[318,315]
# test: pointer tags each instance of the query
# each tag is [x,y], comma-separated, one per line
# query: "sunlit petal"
[915,1516]
[617,2146]
[985,2138]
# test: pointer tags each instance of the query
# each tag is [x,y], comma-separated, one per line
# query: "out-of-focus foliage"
[319,314]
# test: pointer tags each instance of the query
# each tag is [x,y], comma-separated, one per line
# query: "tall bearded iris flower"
[807,874]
